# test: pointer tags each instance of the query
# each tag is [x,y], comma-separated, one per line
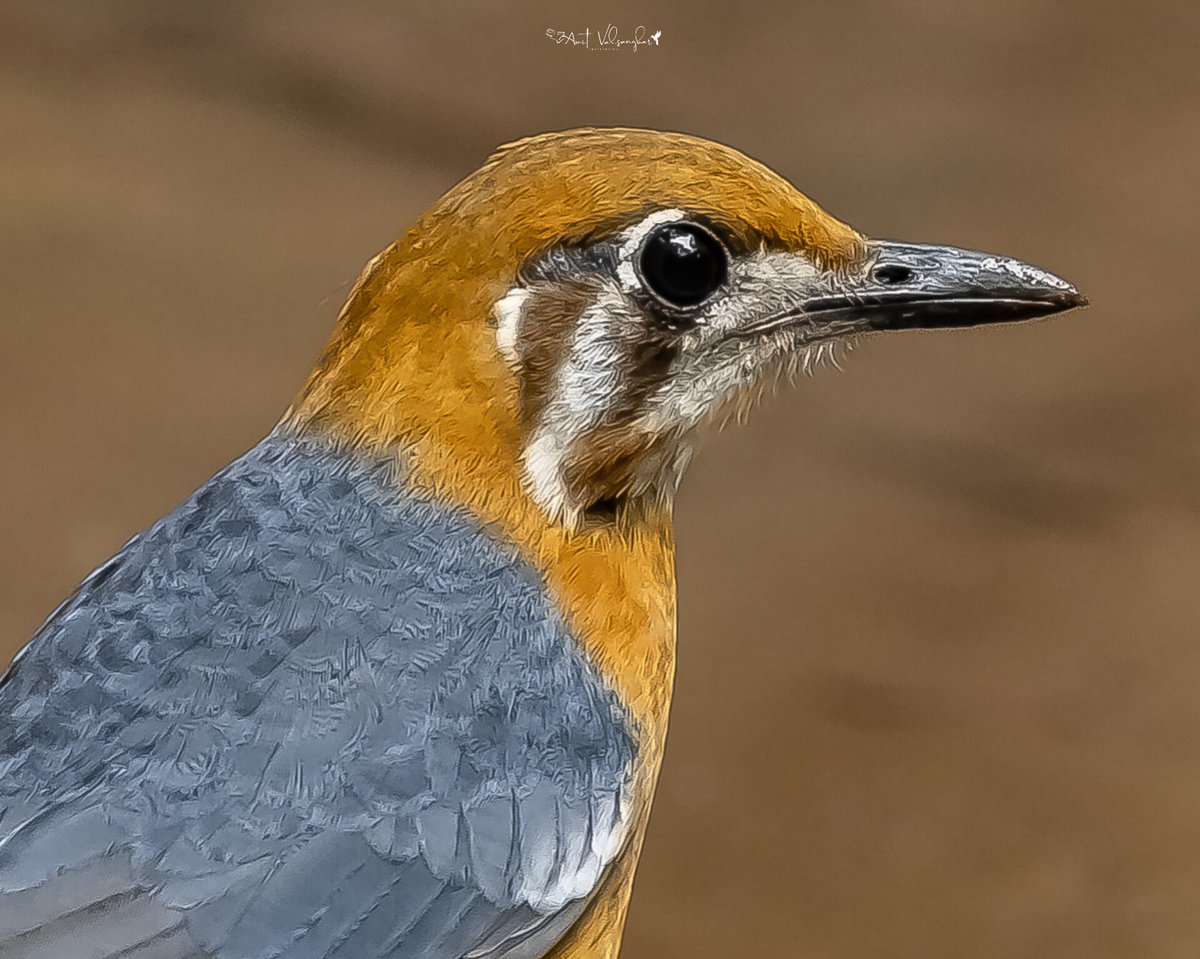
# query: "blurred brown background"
[939,688]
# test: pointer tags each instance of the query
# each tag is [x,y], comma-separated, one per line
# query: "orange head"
[544,343]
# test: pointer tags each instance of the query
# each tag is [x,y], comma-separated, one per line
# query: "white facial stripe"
[585,388]
[508,310]
[591,375]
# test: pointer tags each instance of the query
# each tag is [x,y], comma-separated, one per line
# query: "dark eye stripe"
[565,263]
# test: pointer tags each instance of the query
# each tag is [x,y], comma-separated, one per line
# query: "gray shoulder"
[300,663]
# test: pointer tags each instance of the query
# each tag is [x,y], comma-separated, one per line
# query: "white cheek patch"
[508,311]
[584,390]
[591,375]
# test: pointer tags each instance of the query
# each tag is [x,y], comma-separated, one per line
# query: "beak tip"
[1074,300]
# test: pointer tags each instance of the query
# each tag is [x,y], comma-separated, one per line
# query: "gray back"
[306,714]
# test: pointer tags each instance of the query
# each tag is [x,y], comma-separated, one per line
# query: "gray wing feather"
[305,716]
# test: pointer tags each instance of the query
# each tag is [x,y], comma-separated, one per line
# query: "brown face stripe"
[604,464]
[548,321]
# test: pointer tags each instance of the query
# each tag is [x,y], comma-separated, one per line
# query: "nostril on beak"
[892,274]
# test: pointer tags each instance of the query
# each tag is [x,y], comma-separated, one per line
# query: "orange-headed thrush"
[395,682]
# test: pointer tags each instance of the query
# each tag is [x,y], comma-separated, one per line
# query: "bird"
[395,682]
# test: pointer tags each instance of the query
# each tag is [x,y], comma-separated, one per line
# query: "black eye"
[682,264]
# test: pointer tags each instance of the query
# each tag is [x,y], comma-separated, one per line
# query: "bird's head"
[558,326]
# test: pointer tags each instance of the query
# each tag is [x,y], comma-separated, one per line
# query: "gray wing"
[305,716]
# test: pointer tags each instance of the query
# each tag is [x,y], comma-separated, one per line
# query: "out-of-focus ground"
[939,685]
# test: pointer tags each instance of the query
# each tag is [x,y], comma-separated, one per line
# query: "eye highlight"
[682,264]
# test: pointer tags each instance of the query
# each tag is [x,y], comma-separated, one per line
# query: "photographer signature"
[607,39]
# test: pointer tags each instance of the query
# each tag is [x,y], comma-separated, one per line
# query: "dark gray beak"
[906,286]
